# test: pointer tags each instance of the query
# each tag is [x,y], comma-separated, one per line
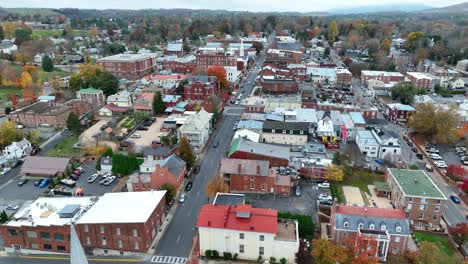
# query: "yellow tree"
[215,186]
[26,80]
[325,252]
[94,32]
[385,45]
[8,133]
[22,57]
[334,173]
[9,28]
[332,31]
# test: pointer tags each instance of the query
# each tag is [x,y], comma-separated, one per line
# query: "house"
[367,144]
[17,150]
[248,232]
[111,110]
[324,76]
[43,226]
[174,49]
[325,129]
[38,58]
[288,133]
[197,130]
[457,83]
[122,223]
[253,176]
[414,192]
[388,229]
[423,80]
[201,86]
[343,77]
[106,165]
[233,75]
[213,102]
[42,114]
[247,134]
[121,99]
[162,80]
[278,156]
[388,146]
[129,66]
[144,103]
[38,166]
[170,170]
[399,113]
[171,100]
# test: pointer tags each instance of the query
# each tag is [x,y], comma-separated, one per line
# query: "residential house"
[111,110]
[414,192]
[144,103]
[213,102]
[91,95]
[17,149]
[171,100]
[388,230]
[343,77]
[325,129]
[367,144]
[121,99]
[207,58]
[39,166]
[278,156]
[106,165]
[324,76]
[283,57]
[399,113]
[247,232]
[197,130]
[386,77]
[201,86]
[423,80]
[288,133]
[163,80]
[174,49]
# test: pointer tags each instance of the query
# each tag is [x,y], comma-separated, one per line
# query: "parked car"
[182,198]
[22,182]
[188,187]
[34,151]
[126,143]
[297,192]
[429,168]
[405,138]
[19,126]
[435,156]
[37,182]
[74,177]
[44,183]
[197,169]
[80,169]
[441,164]
[5,170]
[68,182]
[142,128]
[409,144]
[324,197]
[135,136]
[77,172]
[103,179]
[215,145]
[323,185]
[455,199]
[432,150]
[326,202]
[153,119]
[109,180]
[419,156]
[12,207]
[93,178]
[415,150]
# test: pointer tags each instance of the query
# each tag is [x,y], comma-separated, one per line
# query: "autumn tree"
[362,249]
[459,233]
[325,252]
[9,29]
[33,136]
[464,185]
[26,83]
[220,73]
[385,45]
[93,32]
[456,172]
[23,57]
[158,104]
[334,173]
[332,32]
[8,133]
[186,152]
[215,186]
[435,122]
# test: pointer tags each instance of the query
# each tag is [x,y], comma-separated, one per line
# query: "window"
[252,178]
[136,246]
[409,206]
[45,235]
[241,248]
[88,241]
[135,232]
[47,246]
[398,229]
[421,215]
[252,186]
[59,237]
[346,224]
[411,199]
[437,208]
[438,201]
[119,243]
[12,232]
[423,200]
[422,207]
[284,131]
[34,246]
[101,229]
[103,241]
[241,235]
[262,238]
[290,131]
[117,231]
[372,226]
[263,187]
[61,248]
[395,251]
[383,227]
[301,132]
[261,251]
[361,225]
[272,131]
[434,218]
[397,239]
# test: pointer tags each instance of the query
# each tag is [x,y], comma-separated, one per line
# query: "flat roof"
[416,183]
[123,207]
[125,57]
[229,199]
[368,136]
[45,211]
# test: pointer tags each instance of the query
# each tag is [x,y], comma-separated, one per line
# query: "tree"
[456,172]
[464,185]
[362,249]
[171,192]
[2,34]
[406,92]
[220,73]
[385,45]
[26,80]
[459,233]
[186,152]
[33,136]
[435,122]
[215,113]
[165,140]
[47,64]
[158,104]
[3,217]
[215,186]
[94,32]
[180,88]
[421,54]
[8,133]
[73,123]
[325,252]
[186,47]
[327,52]
[21,35]
[105,81]
[22,57]
[332,32]
[334,173]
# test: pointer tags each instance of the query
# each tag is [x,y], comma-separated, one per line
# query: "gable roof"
[174,47]
[174,164]
[244,145]
[114,108]
[44,165]
[196,122]
[160,151]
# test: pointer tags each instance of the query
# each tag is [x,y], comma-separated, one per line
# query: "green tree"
[437,123]
[158,104]
[47,64]
[106,81]
[332,32]
[215,113]
[22,34]
[186,152]
[406,92]
[2,34]
[171,192]
[73,123]
[327,51]
[3,217]
[174,140]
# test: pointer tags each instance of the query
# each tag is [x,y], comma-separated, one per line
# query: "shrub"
[283,261]
[272,260]
[227,256]
[208,253]
[235,256]
[306,226]
[215,254]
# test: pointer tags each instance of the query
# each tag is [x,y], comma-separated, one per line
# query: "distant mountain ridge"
[380,8]
[458,8]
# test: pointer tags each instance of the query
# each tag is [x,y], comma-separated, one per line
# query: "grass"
[129,123]
[361,178]
[306,226]
[441,241]
[45,33]
[5,91]
[337,192]
[65,148]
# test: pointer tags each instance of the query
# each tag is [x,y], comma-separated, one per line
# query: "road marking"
[177,242]
[168,260]
[6,183]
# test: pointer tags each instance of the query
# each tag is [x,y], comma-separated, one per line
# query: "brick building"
[211,101]
[45,114]
[283,56]
[79,107]
[389,229]
[278,156]
[343,77]
[122,223]
[386,77]
[414,192]
[422,80]
[254,176]
[91,95]
[273,85]
[205,59]
[399,113]
[180,65]
[199,87]
[129,66]
[174,49]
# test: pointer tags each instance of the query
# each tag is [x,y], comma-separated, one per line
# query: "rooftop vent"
[69,211]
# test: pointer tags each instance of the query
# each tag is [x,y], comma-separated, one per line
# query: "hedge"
[306,226]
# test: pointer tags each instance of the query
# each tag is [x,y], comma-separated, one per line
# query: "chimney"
[258,169]
[239,168]
[209,223]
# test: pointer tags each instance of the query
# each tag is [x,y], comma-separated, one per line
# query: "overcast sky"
[242,5]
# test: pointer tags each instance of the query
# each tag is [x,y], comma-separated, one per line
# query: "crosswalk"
[168,260]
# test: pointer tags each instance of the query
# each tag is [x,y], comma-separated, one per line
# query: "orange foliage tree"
[94,32]
[324,252]
[219,72]
[362,249]
[215,186]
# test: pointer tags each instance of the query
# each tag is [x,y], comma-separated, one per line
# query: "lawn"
[337,192]
[65,148]
[441,241]
[129,123]
[361,178]
[45,76]
[5,91]
[45,33]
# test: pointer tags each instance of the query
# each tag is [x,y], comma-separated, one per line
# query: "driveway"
[87,136]
[153,133]
[381,202]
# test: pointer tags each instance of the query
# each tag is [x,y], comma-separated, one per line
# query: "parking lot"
[147,136]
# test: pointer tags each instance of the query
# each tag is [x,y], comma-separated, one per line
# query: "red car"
[35,150]
[77,172]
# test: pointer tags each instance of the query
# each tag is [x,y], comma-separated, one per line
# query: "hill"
[458,8]
[380,8]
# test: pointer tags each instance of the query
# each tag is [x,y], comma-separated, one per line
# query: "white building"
[232,74]
[197,130]
[17,150]
[248,232]
[325,76]
[247,134]
[38,58]
[122,99]
[106,165]
[371,145]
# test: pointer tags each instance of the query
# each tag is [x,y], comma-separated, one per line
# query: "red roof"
[115,108]
[170,77]
[370,211]
[239,217]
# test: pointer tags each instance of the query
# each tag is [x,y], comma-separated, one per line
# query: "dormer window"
[346,224]
[290,131]
[383,227]
[272,131]
[361,225]
[372,227]
[398,229]
[284,131]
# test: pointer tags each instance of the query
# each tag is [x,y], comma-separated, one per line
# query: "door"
[16,248]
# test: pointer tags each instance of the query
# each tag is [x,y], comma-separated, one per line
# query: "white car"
[182,198]
[435,156]
[135,136]
[109,180]
[19,126]
[237,102]
[80,169]
[324,197]
[323,185]
[5,170]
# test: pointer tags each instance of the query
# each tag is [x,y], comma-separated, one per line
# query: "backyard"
[361,178]
[65,148]
[6,90]
[441,241]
